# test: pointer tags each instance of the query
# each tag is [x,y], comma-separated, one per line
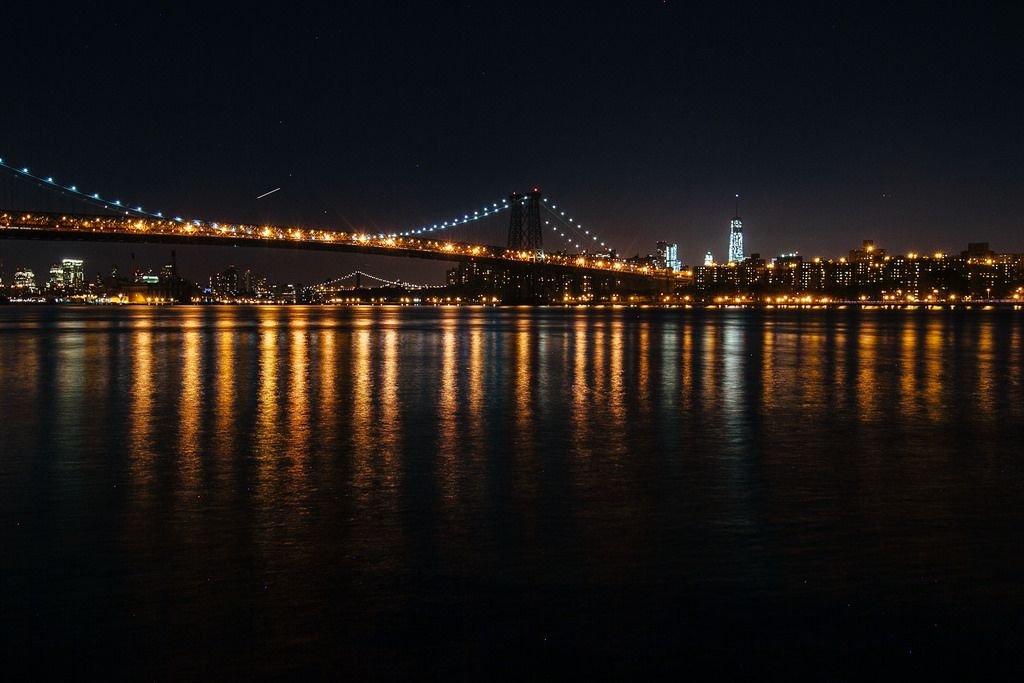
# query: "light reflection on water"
[323,482]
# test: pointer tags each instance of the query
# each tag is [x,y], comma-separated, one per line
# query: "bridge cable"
[94,198]
[484,212]
[570,223]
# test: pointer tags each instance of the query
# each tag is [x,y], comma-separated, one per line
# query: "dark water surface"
[209,492]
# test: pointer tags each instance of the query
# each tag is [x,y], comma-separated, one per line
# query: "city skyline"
[154,254]
[869,273]
[35,254]
[736,250]
[484,340]
[858,124]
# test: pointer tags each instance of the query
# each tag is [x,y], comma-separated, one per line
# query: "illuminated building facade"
[56,281]
[66,277]
[73,274]
[870,274]
[736,240]
[668,256]
[24,282]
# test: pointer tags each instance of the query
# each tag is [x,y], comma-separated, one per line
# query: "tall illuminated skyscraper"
[668,255]
[736,235]
[73,275]
[56,281]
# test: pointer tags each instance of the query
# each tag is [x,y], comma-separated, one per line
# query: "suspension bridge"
[356,278]
[584,266]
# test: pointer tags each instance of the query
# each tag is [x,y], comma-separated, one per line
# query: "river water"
[196,492]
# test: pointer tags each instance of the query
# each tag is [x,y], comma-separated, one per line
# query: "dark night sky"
[835,121]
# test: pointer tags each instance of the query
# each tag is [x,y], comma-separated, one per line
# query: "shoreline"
[1013,305]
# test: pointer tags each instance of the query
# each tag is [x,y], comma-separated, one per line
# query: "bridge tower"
[524,231]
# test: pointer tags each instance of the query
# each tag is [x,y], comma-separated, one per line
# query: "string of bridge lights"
[568,238]
[484,212]
[497,207]
[570,222]
[94,198]
[394,283]
[118,205]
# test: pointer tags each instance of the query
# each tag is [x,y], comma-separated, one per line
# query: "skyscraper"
[73,275]
[736,235]
[668,255]
[56,281]
[24,281]
[709,259]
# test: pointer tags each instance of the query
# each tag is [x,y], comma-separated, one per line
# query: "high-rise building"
[668,256]
[867,252]
[709,259]
[788,260]
[736,235]
[228,284]
[24,281]
[56,281]
[73,275]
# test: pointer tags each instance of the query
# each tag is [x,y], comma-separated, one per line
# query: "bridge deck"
[82,227]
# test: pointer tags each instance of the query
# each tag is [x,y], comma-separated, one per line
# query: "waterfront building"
[477,278]
[868,252]
[55,283]
[902,276]
[230,284]
[752,274]
[24,283]
[705,279]
[978,251]
[787,260]
[783,273]
[811,276]
[72,275]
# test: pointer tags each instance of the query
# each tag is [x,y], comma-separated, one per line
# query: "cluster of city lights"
[137,226]
[117,205]
[567,222]
[136,219]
